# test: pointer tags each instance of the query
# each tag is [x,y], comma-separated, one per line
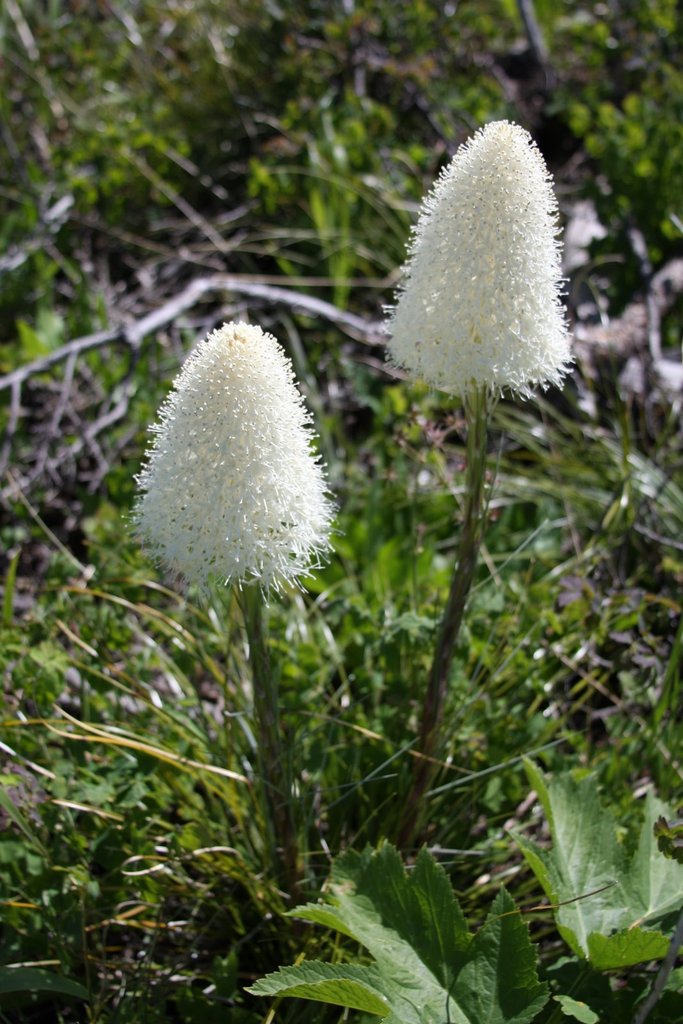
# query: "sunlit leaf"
[627,901]
[427,966]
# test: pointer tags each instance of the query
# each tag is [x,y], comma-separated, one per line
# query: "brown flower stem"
[275,777]
[477,409]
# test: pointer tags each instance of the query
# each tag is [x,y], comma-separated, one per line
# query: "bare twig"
[23,31]
[654,319]
[188,211]
[59,410]
[15,404]
[46,462]
[86,441]
[354,325]
[533,32]
[629,333]
[662,975]
[76,347]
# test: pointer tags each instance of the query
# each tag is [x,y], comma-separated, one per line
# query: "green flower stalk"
[479,314]
[231,491]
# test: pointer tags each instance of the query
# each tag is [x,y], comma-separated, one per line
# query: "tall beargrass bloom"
[479,314]
[232,492]
[231,489]
[480,305]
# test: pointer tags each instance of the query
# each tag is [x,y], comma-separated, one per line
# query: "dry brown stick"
[356,326]
[628,333]
[133,335]
[96,340]
[533,33]
[87,441]
[654,319]
[15,405]
[56,418]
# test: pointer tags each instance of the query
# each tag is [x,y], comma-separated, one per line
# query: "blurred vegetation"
[289,141]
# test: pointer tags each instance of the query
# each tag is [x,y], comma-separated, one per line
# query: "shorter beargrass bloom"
[480,305]
[231,489]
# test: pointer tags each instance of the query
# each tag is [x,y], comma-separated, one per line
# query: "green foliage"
[612,905]
[427,965]
[32,979]
[669,836]
[584,994]
[577,1010]
[157,110]
[147,145]
[627,112]
[643,133]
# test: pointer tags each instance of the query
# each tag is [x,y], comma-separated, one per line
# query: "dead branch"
[134,333]
[535,36]
[73,348]
[15,405]
[49,458]
[637,331]
[627,337]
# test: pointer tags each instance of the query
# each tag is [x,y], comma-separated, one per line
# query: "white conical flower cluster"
[231,489]
[480,306]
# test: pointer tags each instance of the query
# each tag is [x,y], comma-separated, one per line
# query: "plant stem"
[477,408]
[665,970]
[274,770]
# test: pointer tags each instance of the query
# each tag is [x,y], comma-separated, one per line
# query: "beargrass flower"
[480,305]
[231,488]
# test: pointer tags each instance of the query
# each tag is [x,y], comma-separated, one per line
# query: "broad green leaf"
[340,985]
[622,949]
[32,344]
[377,904]
[427,967]
[499,981]
[33,979]
[627,921]
[577,1010]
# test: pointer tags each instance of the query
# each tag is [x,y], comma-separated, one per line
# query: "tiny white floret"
[231,489]
[481,305]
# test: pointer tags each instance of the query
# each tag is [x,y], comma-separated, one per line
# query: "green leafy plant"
[145,147]
[630,897]
[669,836]
[32,979]
[428,967]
